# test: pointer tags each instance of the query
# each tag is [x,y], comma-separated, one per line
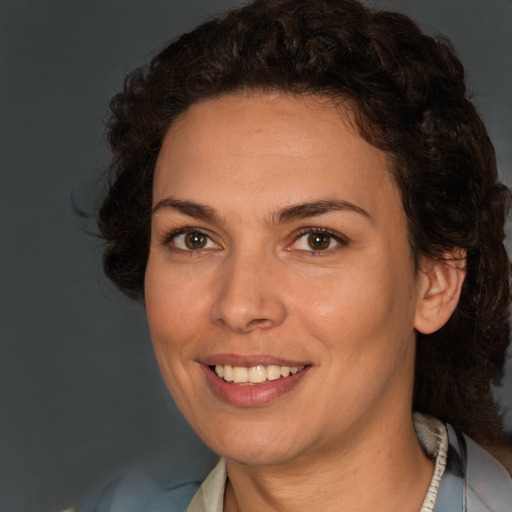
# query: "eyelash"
[337,237]
[170,237]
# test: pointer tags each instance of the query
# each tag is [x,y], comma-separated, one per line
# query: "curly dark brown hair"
[409,94]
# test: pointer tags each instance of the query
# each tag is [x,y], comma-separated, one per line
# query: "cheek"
[365,301]
[173,307]
[173,322]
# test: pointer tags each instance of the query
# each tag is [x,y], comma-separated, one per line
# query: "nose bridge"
[248,295]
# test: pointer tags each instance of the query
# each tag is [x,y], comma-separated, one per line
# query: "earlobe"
[440,285]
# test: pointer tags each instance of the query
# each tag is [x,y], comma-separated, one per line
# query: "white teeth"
[255,374]
[228,373]
[273,372]
[240,374]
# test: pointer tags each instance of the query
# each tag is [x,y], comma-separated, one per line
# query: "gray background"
[79,389]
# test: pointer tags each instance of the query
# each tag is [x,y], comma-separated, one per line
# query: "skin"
[342,438]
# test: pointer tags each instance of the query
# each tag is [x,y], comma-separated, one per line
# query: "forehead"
[271,147]
[289,123]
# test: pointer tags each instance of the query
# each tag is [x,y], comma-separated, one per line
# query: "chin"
[260,447]
[262,456]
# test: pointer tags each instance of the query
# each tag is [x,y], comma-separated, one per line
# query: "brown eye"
[319,241]
[195,240]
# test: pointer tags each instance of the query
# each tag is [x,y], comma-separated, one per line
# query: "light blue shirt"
[472,481]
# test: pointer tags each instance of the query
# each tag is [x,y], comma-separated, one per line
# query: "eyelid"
[341,239]
[169,237]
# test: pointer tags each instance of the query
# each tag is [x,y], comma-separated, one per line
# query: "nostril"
[260,323]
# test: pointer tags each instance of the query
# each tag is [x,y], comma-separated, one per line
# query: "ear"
[440,284]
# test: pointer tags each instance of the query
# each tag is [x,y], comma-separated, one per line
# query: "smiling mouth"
[255,374]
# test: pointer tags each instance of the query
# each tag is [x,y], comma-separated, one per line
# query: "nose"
[248,295]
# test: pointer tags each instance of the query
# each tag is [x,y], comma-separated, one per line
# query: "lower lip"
[252,395]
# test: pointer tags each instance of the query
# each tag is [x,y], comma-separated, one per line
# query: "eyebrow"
[287,214]
[315,208]
[196,210]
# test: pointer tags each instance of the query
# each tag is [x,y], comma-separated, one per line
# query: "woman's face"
[279,245]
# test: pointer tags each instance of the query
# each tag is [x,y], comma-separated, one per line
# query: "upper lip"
[249,361]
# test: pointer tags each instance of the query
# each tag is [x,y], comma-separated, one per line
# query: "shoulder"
[143,490]
[489,483]
[473,476]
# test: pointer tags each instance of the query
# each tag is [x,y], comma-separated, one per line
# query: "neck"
[388,473]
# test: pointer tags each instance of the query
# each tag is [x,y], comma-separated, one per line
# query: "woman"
[308,205]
